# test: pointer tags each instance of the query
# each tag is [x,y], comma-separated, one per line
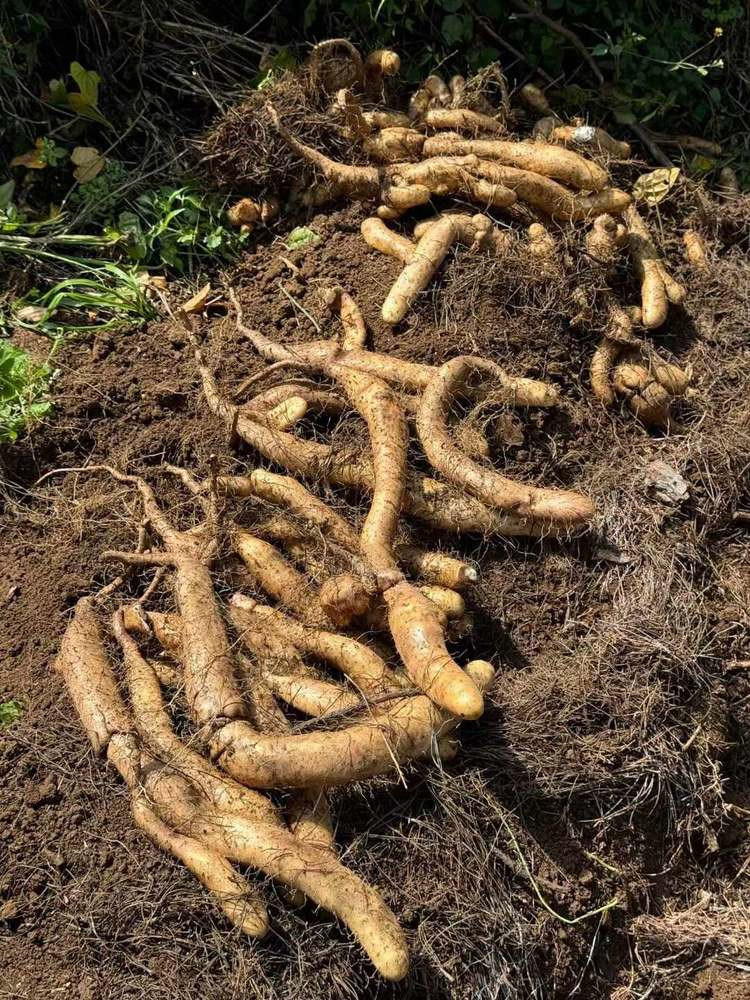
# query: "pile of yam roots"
[354,628]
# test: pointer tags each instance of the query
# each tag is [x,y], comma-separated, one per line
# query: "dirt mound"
[611,776]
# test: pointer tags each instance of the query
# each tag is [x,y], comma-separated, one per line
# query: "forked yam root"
[658,287]
[205,819]
[488,486]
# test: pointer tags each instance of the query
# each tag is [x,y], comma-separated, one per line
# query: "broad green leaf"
[456,28]
[88,83]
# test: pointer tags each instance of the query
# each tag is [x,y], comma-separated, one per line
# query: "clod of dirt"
[39,795]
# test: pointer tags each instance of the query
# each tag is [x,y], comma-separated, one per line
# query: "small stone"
[666,483]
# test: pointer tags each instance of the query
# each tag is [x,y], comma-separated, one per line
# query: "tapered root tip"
[465,701]
[247,916]
[481,672]
[391,959]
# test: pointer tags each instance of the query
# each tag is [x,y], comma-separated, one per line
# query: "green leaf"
[600,50]
[23,388]
[10,712]
[311,12]
[58,93]
[301,237]
[88,83]
[6,193]
[457,28]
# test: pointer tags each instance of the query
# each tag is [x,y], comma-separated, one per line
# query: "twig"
[656,151]
[486,27]
[560,29]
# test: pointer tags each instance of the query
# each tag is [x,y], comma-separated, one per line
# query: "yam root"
[562,165]
[436,567]
[393,145]
[312,696]
[379,64]
[696,250]
[602,363]
[462,120]
[378,119]
[650,386]
[278,578]
[82,662]
[211,686]
[559,506]
[543,251]
[658,288]
[406,729]
[436,86]
[434,240]
[208,822]
[590,137]
[535,98]
[347,107]
[364,668]
[427,499]
[549,196]
[475,231]
[429,254]
[418,637]
[399,186]
[380,237]
[604,239]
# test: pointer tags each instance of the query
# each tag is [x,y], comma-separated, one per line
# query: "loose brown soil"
[613,765]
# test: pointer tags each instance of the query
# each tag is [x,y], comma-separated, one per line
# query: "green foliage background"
[681,66]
